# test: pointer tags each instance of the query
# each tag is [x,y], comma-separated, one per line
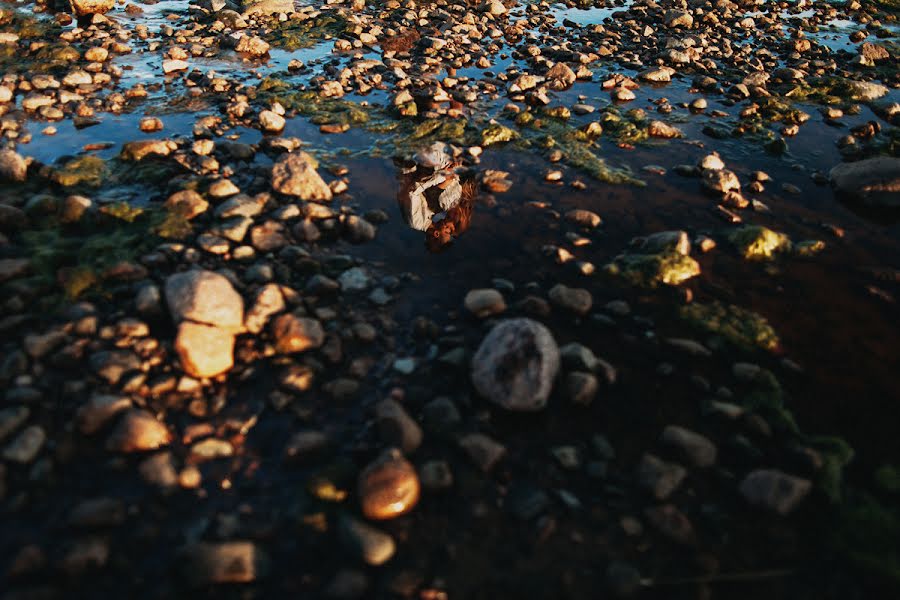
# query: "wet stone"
[204,297]
[581,388]
[388,487]
[396,427]
[99,410]
[671,523]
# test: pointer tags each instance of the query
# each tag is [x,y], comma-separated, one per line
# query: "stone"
[357,230]
[271,121]
[774,490]
[98,512]
[483,451]
[252,45]
[516,364]
[304,445]
[204,297]
[388,487]
[111,365]
[436,476]
[268,301]
[678,18]
[83,8]
[397,427]
[484,302]
[295,175]
[721,181]
[188,202]
[371,545]
[581,388]
[11,268]
[575,300]
[698,450]
[583,218]
[24,448]
[873,181]
[11,418]
[13,168]
[672,523]
[756,242]
[204,351]
[660,129]
[296,334]
[660,478]
[94,414]
[138,431]
[205,563]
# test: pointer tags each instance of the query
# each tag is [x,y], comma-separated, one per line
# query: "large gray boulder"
[516,364]
[873,181]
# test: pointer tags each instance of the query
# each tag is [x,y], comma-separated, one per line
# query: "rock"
[865,91]
[774,490]
[11,268]
[141,149]
[24,448]
[296,334]
[576,300]
[159,470]
[204,351]
[484,452]
[581,388]
[493,7]
[660,129]
[583,218]
[659,477]
[372,546]
[99,410]
[304,445]
[188,202]
[13,168]
[11,418]
[171,65]
[357,230]
[98,512]
[388,487]
[696,448]
[271,121]
[205,563]
[205,297]
[515,365]
[396,427]
[268,301]
[252,45]
[83,8]
[436,476]
[484,302]
[721,181]
[623,580]
[354,280]
[873,181]
[678,18]
[267,7]
[560,76]
[138,431]
[672,523]
[295,175]
[111,365]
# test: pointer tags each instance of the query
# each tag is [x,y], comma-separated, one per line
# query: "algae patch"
[741,327]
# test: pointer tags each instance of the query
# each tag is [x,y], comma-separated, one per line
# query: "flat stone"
[484,302]
[575,300]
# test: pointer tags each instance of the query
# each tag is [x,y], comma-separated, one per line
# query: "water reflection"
[435,196]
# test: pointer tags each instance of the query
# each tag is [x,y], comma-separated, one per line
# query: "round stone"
[388,487]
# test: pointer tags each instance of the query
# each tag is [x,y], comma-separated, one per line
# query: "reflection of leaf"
[836,454]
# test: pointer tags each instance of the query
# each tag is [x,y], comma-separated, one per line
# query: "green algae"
[739,326]
[809,248]
[629,128]
[296,35]
[85,170]
[496,133]
[865,532]
[759,243]
[652,270]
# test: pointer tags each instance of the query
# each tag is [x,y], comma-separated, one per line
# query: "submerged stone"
[737,325]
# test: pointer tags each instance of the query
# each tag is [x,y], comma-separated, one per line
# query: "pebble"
[388,487]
